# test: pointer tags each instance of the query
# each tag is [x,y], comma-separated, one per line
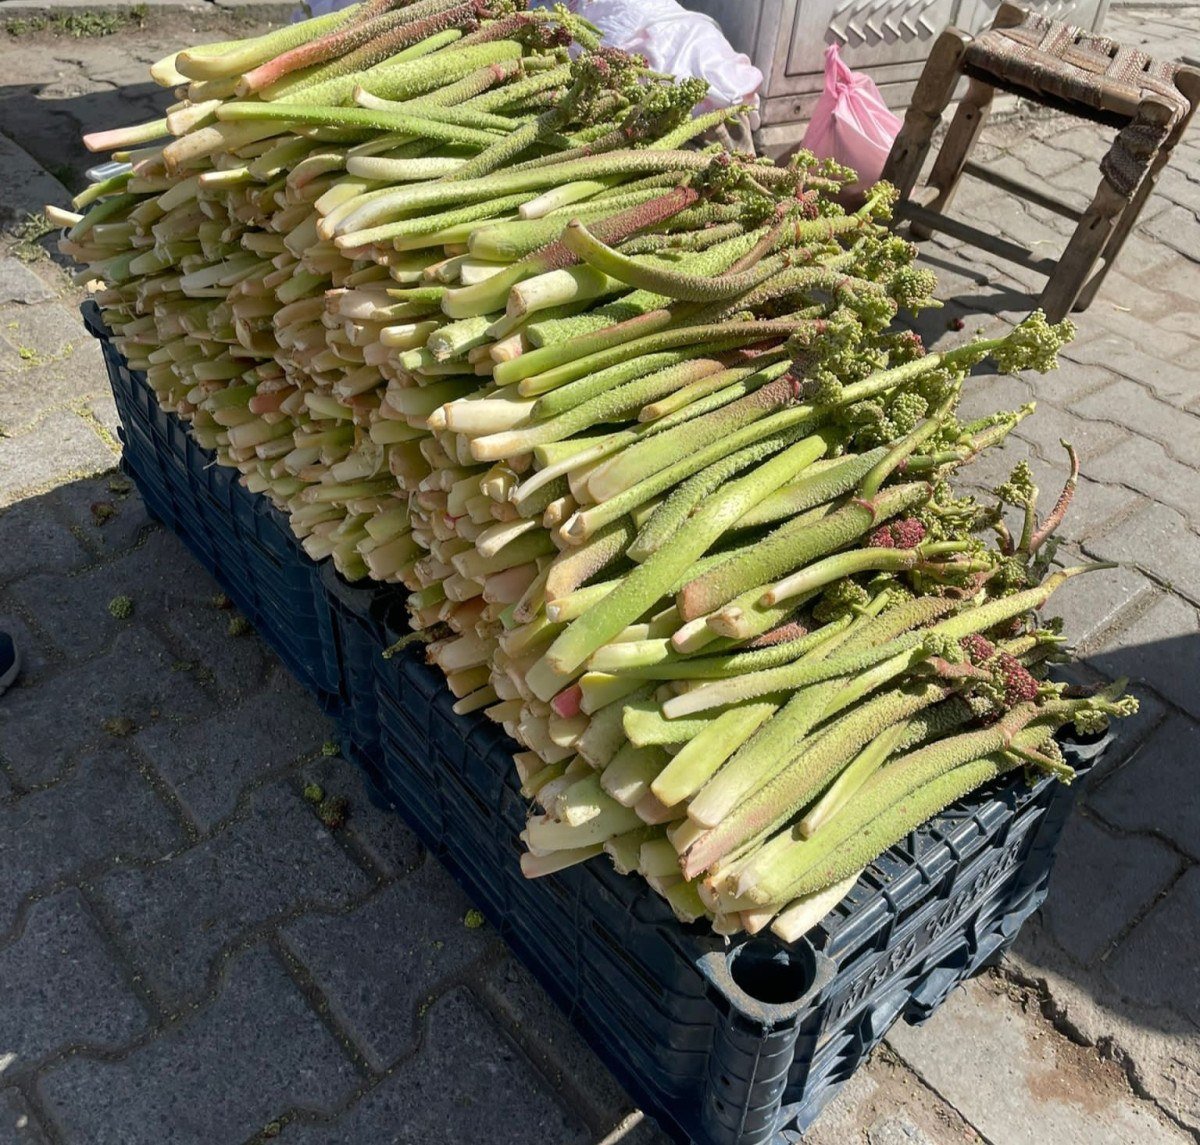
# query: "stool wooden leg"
[1120,232]
[1188,81]
[1090,238]
[933,92]
[964,131]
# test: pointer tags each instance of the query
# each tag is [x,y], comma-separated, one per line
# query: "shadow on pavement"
[51,128]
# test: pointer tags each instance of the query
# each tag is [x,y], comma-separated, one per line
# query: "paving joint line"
[1185,858]
[318,1002]
[372,1078]
[28,1090]
[215,976]
[534,1051]
[166,794]
[1107,1047]
[933,1089]
[346,837]
[1168,586]
[135,978]
[1166,889]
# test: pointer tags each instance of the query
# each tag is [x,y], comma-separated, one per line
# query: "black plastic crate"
[672,1009]
[240,538]
[722,1042]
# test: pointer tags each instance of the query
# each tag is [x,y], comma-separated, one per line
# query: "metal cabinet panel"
[887,39]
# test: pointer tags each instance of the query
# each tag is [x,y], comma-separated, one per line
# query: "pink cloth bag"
[851,124]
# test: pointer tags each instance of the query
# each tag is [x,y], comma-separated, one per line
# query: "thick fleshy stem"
[790,547]
[616,165]
[388,31]
[587,521]
[1055,518]
[701,757]
[492,294]
[217,61]
[649,581]
[828,481]
[776,801]
[749,272]
[794,866]
[674,512]
[922,558]
[911,648]
[289,114]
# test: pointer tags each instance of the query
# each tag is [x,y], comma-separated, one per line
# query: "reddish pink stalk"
[616,228]
[270,401]
[392,30]
[566,703]
[793,630]
[1061,505]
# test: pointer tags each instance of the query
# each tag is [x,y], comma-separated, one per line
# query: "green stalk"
[509,241]
[666,368]
[493,294]
[688,287]
[824,572]
[914,645]
[572,567]
[704,387]
[644,724]
[673,513]
[292,114]
[407,200]
[398,79]
[789,548]
[231,58]
[629,773]
[649,581]
[826,481]
[658,660]
[609,405]
[806,865]
[701,757]
[433,224]
[806,772]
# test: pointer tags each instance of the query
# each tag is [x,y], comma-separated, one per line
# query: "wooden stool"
[1149,101]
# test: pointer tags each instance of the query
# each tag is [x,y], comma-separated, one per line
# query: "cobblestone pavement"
[188,956]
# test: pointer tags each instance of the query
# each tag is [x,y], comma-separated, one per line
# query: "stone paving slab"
[377,833]
[1155,1046]
[206,765]
[44,729]
[178,916]
[572,1069]
[1157,965]
[63,986]
[32,538]
[995,1063]
[380,964]
[1157,540]
[1086,915]
[220,1074]
[886,1103]
[17,1124]
[1155,790]
[409,1106]
[102,814]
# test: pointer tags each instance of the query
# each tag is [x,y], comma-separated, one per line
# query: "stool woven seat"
[1149,101]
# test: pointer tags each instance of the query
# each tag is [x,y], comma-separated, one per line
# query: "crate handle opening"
[770,972]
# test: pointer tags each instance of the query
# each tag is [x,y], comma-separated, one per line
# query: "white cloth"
[676,40]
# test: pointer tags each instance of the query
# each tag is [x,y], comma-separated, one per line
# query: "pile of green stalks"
[635,422]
